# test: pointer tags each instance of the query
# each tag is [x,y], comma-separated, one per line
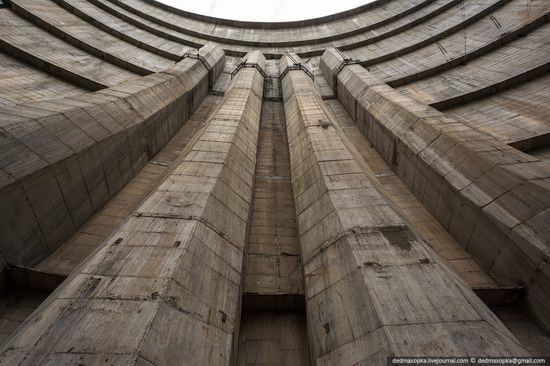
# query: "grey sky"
[268,11]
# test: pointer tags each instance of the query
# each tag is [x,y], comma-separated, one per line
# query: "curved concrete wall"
[492,198]
[64,160]
[91,90]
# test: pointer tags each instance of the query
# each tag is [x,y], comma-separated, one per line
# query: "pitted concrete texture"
[169,278]
[373,289]
[493,199]
[63,160]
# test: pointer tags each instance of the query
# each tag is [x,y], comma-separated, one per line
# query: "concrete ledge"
[134,20]
[501,85]
[41,64]
[373,288]
[493,199]
[271,25]
[504,39]
[164,22]
[36,13]
[154,11]
[433,38]
[169,278]
[117,27]
[31,44]
[61,160]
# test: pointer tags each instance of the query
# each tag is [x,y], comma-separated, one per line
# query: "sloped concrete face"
[373,288]
[66,158]
[166,286]
[492,198]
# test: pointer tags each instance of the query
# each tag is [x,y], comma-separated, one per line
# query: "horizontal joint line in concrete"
[350,232]
[161,300]
[417,323]
[188,218]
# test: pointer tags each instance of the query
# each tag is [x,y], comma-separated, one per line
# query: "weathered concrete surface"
[21,83]
[518,117]
[22,39]
[383,19]
[62,160]
[166,286]
[123,30]
[493,199]
[405,204]
[273,319]
[273,338]
[273,256]
[373,289]
[104,222]
[17,301]
[512,64]
[482,37]
[85,36]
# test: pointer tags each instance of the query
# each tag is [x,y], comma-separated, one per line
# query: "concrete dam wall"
[177,189]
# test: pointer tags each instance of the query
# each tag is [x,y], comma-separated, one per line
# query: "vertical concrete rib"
[373,288]
[165,288]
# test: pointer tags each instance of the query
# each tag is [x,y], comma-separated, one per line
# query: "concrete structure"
[179,189]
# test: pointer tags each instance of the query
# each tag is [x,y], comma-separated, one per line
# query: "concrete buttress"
[165,288]
[373,288]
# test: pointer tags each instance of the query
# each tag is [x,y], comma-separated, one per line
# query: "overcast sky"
[267,11]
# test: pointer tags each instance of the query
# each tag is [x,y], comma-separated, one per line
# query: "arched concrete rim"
[258,44]
[271,25]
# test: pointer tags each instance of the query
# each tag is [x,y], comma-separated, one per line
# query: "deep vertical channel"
[273,322]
